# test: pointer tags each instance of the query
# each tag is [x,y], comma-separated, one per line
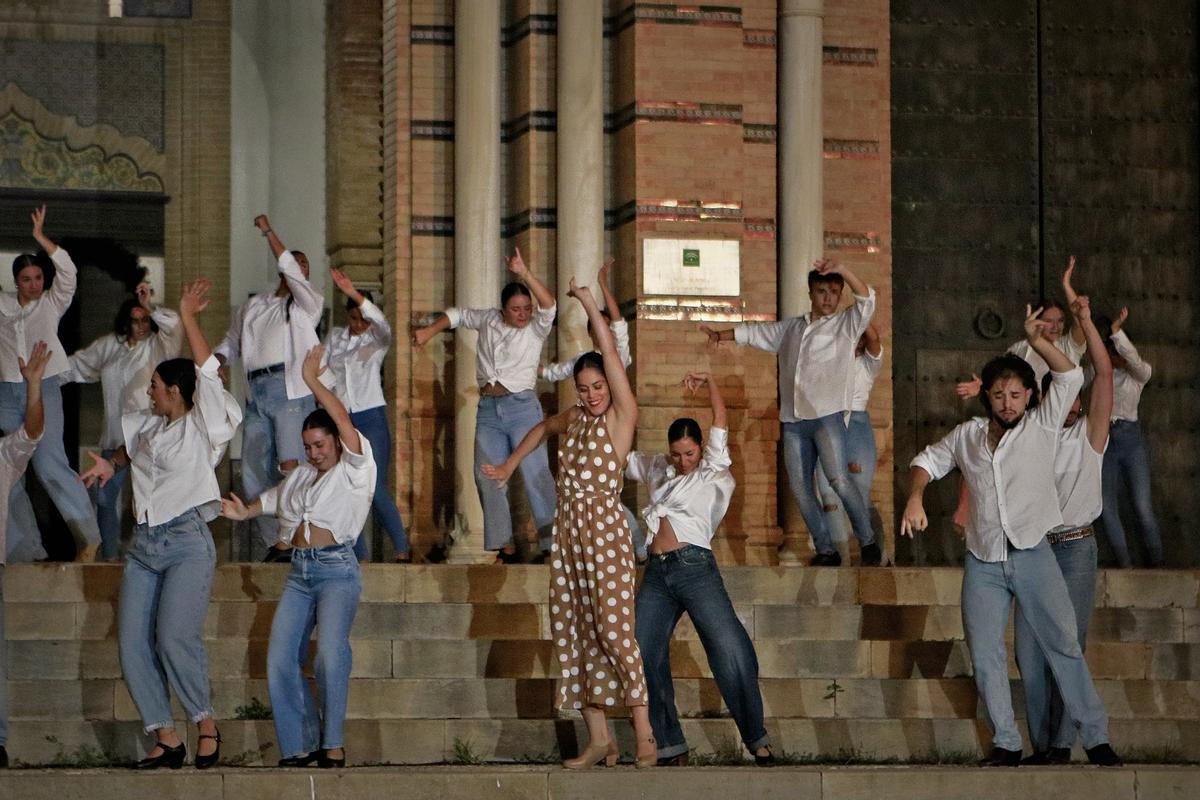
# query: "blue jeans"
[271,433]
[321,591]
[24,538]
[372,423]
[861,451]
[1049,726]
[3,668]
[1127,459]
[500,425]
[160,618]
[637,531]
[50,463]
[824,439]
[108,509]
[1033,578]
[688,580]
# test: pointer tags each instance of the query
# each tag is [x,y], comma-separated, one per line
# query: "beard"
[1006,424]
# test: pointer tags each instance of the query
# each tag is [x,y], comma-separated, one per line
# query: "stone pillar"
[580,166]
[478,267]
[801,166]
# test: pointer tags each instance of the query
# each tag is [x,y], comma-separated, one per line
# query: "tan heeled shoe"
[594,754]
[647,753]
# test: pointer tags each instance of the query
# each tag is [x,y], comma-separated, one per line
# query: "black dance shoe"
[680,760]
[325,762]
[1041,758]
[871,555]
[765,761]
[1002,758]
[171,757]
[826,560]
[3,757]
[300,761]
[204,762]
[1102,755]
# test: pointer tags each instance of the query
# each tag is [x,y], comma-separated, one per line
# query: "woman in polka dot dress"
[592,575]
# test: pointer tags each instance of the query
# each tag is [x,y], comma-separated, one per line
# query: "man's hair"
[815,278]
[1008,366]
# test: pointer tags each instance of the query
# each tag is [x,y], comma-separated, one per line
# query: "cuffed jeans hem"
[151,727]
[762,741]
[300,753]
[203,715]
[672,750]
[328,746]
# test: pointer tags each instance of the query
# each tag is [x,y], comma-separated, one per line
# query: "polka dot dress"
[592,575]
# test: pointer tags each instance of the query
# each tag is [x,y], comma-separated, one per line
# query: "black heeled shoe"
[300,761]
[765,761]
[170,757]
[325,762]
[204,762]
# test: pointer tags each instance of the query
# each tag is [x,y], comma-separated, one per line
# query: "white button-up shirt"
[816,358]
[1065,344]
[866,370]
[265,332]
[124,368]
[1077,468]
[172,462]
[15,451]
[355,362]
[561,370]
[21,327]
[1128,381]
[337,501]
[694,503]
[505,355]
[1012,489]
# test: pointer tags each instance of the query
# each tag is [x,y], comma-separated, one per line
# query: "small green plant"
[248,758]
[464,754]
[82,757]
[833,690]
[255,709]
[726,753]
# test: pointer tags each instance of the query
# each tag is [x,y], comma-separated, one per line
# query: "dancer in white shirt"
[355,357]
[1007,459]
[31,314]
[123,361]
[506,365]
[816,356]
[321,506]
[16,449]
[271,332]
[690,492]
[172,450]
[1077,466]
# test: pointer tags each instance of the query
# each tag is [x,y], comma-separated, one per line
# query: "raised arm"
[192,301]
[610,300]
[623,400]
[32,371]
[1069,292]
[1056,359]
[263,224]
[518,267]
[828,266]
[694,380]
[329,401]
[1100,405]
[1134,365]
[551,426]
[39,233]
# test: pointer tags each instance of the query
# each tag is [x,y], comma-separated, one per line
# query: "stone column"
[580,166]
[478,266]
[801,222]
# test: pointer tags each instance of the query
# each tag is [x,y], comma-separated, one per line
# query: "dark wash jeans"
[688,580]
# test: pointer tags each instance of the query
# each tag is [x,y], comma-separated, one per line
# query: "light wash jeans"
[321,591]
[372,423]
[160,618]
[500,425]
[3,668]
[1128,459]
[804,444]
[1033,578]
[108,509]
[688,580]
[637,531]
[1048,725]
[50,463]
[271,433]
[24,537]
[860,450]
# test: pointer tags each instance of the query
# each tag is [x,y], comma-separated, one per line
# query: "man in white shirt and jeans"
[1007,459]
[816,385]
[271,333]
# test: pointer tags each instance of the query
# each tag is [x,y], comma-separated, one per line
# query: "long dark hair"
[1008,366]
[590,359]
[122,325]
[685,428]
[180,372]
[320,420]
[39,260]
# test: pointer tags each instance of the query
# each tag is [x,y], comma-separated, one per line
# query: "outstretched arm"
[551,426]
[421,336]
[329,401]
[1100,407]
[525,274]
[233,507]
[192,301]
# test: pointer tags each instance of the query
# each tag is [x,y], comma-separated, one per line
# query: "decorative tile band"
[431,34]
[432,226]
[851,148]
[670,111]
[672,14]
[759,133]
[868,242]
[533,120]
[673,211]
[539,218]
[851,56]
[437,129]
[763,228]
[545,24]
[759,38]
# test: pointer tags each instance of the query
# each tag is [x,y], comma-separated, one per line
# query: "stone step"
[251,743]
[507,698]
[56,660]
[524,621]
[491,584]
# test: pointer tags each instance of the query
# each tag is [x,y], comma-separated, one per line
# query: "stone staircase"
[451,662]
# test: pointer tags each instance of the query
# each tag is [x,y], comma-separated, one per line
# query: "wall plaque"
[691,267]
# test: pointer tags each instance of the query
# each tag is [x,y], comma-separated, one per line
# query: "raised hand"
[1033,324]
[145,294]
[968,389]
[578,292]
[343,283]
[39,221]
[827,266]
[234,508]
[194,297]
[39,357]
[1066,281]
[500,473]
[605,270]
[914,518]
[1081,308]
[1119,322]
[101,470]
[516,264]
[313,368]
[262,223]
[694,380]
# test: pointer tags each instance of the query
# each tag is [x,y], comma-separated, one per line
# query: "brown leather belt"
[1070,536]
[494,390]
